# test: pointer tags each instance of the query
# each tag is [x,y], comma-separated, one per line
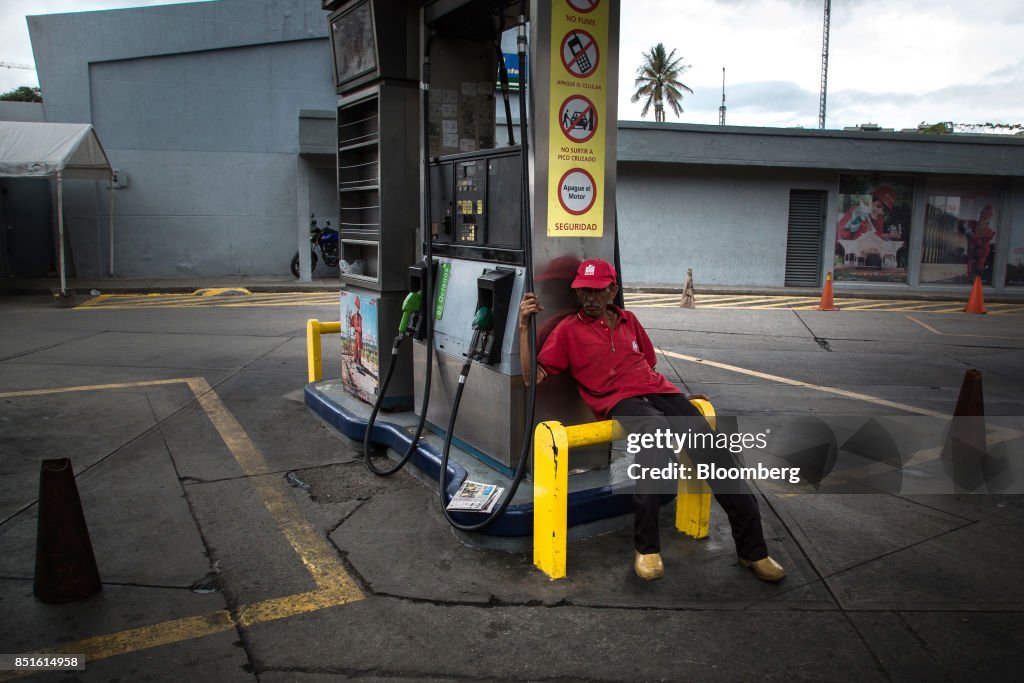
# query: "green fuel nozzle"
[484,319]
[411,305]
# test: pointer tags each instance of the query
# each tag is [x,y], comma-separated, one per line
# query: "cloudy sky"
[892,62]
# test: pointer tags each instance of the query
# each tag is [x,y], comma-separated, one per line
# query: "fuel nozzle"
[483,323]
[484,319]
[412,304]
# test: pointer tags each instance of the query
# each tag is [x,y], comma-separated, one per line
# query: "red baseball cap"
[594,273]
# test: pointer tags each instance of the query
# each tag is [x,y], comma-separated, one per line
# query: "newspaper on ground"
[476,497]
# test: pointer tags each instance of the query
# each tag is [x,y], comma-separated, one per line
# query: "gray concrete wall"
[729,225]
[677,143]
[198,106]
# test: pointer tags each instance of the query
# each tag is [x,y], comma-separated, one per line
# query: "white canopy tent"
[64,150]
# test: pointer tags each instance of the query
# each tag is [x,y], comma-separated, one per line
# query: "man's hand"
[530,305]
[690,397]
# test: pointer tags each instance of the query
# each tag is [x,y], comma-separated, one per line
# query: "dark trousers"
[647,414]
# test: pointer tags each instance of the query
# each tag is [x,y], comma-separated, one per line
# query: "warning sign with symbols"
[577,134]
[578,117]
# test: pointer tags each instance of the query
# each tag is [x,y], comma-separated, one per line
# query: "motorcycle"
[324,241]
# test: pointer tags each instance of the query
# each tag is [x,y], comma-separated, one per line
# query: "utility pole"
[721,110]
[824,64]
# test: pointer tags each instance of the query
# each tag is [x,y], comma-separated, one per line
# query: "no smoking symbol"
[578,118]
[583,6]
[580,55]
[577,191]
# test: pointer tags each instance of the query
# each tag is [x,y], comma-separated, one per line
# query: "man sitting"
[609,355]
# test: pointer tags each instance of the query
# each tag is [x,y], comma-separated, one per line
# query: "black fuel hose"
[531,399]
[427,306]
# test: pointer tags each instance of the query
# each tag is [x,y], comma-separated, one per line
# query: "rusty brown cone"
[65,564]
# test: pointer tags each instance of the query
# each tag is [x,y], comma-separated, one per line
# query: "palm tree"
[657,79]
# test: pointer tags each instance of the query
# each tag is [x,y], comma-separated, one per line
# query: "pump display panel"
[476,206]
[353,43]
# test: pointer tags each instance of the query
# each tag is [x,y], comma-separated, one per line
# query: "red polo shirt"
[608,365]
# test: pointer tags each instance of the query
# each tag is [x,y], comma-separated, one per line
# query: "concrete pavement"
[184,425]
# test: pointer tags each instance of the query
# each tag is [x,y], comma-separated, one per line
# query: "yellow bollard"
[550,497]
[314,347]
[314,360]
[693,498]
[551,444]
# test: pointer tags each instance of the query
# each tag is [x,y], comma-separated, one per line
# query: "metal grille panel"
[806,231]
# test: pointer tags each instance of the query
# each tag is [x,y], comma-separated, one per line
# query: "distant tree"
[22,94]
[657,80]
[945,127]
[940,128]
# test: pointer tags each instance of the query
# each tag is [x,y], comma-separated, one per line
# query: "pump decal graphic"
[360,352]
[442,289]
[580,54]
[578,122]
[578,118]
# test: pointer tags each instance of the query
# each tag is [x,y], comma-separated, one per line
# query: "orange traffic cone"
[826,296]
[976,302]
[65,564]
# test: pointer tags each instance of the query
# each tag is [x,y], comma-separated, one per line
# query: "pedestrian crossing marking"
[809,303]
[224,298]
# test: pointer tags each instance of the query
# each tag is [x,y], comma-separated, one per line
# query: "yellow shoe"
[649,567]
[765,569]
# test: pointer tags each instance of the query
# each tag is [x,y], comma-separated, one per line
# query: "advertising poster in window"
[873,228]
[960,228]
[1015,259]
[360,353]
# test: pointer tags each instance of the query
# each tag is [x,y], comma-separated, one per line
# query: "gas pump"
[492,215]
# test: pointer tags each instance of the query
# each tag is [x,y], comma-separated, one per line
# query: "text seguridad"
[676,441]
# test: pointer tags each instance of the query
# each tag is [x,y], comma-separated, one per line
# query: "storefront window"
[873,228]
[1015,261]
[960,228]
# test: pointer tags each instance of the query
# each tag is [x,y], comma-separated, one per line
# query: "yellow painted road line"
[217,291]
[91,387]
[651,297]
[806,385]
[122,301]
[919,306]
[190,628]
[796,301]
[923,324]
[145,637]
[721,298]
[334,586]
[862,304]
[950,334]
[321,561]
[761,300]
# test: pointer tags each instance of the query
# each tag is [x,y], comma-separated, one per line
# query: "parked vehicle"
[324,241]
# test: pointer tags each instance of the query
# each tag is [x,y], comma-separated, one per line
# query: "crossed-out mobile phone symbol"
[580,55]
